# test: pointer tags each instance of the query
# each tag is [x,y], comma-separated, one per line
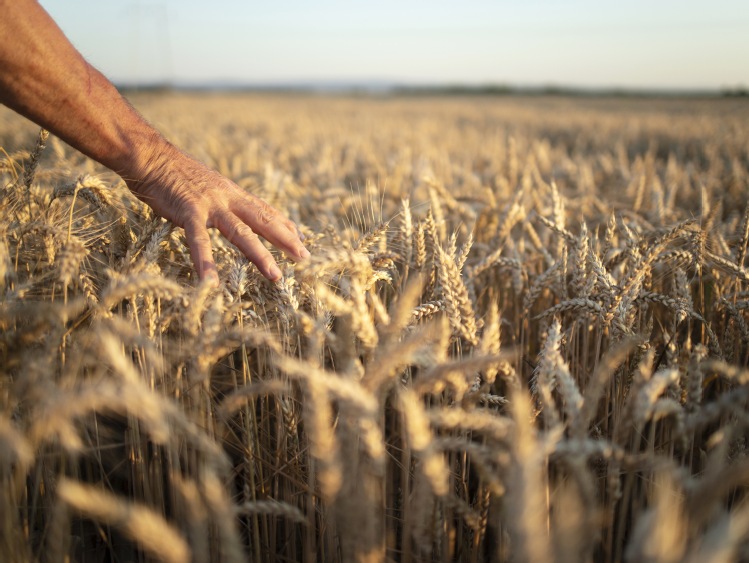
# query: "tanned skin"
[44,78]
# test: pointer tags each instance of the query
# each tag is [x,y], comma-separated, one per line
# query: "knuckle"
[240,232]
[245,232]
[265,213]
[200,241]
[197,233]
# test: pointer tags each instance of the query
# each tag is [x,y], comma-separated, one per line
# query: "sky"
[637,44]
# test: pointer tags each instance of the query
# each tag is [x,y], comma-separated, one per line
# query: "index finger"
[201,251]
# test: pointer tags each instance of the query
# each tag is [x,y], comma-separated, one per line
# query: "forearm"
[44,78]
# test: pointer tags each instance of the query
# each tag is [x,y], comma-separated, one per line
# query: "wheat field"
[522,335]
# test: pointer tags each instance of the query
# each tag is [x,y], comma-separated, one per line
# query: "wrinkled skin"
[44,78]
[197,198]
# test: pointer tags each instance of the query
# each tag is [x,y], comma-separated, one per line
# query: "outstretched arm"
[44,78]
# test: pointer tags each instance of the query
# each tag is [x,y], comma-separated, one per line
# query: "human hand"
[196,198]
[44,78]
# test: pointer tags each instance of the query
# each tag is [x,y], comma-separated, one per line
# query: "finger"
[267,221]
[291,226]
[248,242]
[201,252]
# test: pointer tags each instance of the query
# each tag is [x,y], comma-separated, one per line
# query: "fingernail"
[274,273]
[304,253]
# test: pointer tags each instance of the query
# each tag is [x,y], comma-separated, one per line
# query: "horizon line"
[395,87]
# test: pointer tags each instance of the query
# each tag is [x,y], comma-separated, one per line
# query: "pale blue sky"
[633,44]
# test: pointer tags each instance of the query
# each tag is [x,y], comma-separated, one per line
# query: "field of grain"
[522,335]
